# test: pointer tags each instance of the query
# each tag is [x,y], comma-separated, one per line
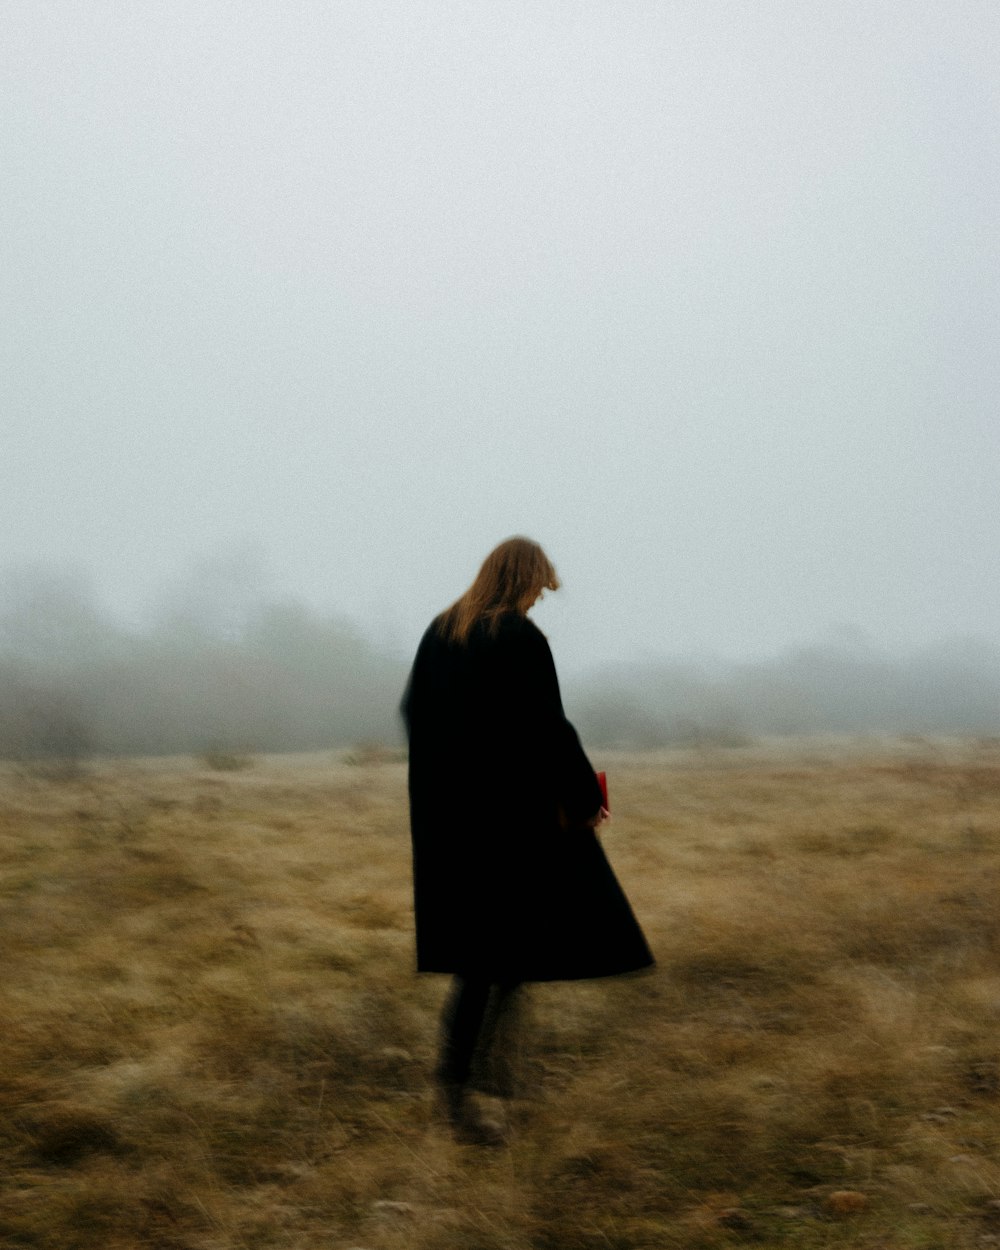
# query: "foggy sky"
[703,295]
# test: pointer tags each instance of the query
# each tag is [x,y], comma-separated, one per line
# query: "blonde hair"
[512,577]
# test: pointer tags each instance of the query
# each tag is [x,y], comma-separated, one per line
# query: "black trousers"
[480,1035]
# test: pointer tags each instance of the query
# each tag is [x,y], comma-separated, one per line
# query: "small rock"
[845,1202]
[961,1159]
[919,1208]
[389,1209]
[940,1116]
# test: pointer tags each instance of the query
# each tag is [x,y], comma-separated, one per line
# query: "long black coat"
[508,880]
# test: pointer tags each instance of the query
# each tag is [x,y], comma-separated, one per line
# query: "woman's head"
[512,577]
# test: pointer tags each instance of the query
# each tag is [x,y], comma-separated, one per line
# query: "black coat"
[508,880]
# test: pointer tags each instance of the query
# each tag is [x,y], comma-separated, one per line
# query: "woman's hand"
[600,816]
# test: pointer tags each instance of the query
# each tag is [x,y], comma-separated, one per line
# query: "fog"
[702,295]
[213,672]
[217,671]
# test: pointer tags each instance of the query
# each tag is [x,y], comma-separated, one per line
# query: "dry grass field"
[213,1038]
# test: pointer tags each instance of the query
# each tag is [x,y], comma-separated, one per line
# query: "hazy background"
[309,304]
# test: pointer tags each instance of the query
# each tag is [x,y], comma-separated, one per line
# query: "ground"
[215,1039]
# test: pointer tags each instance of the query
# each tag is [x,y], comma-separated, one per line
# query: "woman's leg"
[477,1038]
[461,1025]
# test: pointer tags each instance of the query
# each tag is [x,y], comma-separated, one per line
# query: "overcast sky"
[701,294]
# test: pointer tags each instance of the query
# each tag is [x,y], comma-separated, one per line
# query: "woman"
[510,882]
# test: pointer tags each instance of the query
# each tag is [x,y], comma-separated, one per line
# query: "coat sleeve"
[565,775]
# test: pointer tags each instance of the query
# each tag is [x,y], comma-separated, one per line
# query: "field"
[213,1038]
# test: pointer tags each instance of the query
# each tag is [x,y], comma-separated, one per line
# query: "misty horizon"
[216,670]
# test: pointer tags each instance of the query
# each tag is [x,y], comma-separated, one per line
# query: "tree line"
[231,672]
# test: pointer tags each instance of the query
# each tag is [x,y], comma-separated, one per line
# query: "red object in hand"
[602,781]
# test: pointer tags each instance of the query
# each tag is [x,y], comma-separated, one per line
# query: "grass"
[214,1039]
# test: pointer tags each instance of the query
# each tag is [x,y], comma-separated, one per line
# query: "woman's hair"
[513,575]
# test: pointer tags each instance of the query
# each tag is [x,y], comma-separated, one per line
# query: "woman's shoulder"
[431,635]
[509,631]
[434,642]
[521,639]
[516,626]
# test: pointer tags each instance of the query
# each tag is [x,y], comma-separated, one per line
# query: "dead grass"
[214,1039]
